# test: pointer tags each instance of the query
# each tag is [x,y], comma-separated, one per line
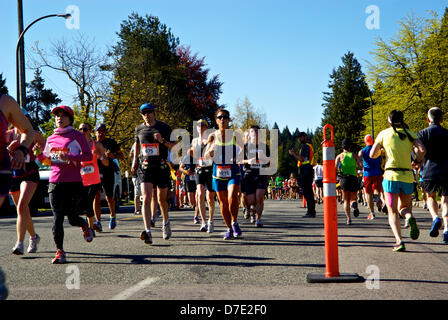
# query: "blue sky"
[277,53]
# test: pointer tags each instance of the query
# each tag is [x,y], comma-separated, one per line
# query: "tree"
[410,72]
[202,92]
[247,115]
[80,61]
[39,101]
[3,88]
[346,103]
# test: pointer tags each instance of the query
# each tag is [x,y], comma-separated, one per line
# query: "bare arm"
[15,116]
[375,152]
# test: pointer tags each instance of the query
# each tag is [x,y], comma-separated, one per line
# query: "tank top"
[348,164]
[89,169]
[372,167]
[226,153]
[5,164]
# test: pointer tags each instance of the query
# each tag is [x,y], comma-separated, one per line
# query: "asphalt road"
[269,263]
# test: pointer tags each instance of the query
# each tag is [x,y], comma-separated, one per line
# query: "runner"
[107,174]
[256,156]
[150,159]
[305,163]
[90,174]
[435,172]
[349,162]
[318,180]
[136,184]
[204,178]
[10,113]
[279,187]
[188,169]
[372,177]
[24,184]
[398,141]
[292,185]
[66,149]
[224,151]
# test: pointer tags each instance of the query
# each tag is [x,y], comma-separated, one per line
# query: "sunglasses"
[222,117]
[147,111]
[85,129]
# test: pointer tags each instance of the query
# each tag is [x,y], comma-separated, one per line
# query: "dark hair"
[222,110]
[346,144]
[396,120]
[254,126]
[435,115]
[87,124]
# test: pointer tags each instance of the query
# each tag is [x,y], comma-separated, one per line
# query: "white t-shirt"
[318,172]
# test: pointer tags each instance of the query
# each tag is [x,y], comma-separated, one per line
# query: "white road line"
[133,290]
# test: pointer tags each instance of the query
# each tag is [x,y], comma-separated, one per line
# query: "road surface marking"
[133,290]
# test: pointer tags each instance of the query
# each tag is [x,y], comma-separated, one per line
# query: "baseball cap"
[100,126]
[368,140]
[66,109]
[147,106]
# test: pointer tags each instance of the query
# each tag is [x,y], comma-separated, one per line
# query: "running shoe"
[18,249]
[153,223]
[309,215]
[137,213]
[425,206]
[445,237]
[203,227]
[32,247]
[60,257]
[399,247]
[253,219]
[210,226]
[146,237]
[414,233]
[384,210]
[236,230]
[88,236]
[246,213]
[166,231]
[229,234]
[436,224]
[348,222]
[97,226]
[196,220]
[371,216]
[112,223]
[258,223]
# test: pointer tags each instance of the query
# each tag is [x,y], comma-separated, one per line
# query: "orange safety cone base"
[343,277]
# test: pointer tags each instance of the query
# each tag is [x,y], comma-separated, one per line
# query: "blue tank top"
[372,167]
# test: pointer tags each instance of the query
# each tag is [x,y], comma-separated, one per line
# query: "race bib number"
[257,165]
[87,169]
[150,149]
[205,163]
[55,155]
[224,171]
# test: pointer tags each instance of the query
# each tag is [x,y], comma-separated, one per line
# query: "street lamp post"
[371,114]
[20,78]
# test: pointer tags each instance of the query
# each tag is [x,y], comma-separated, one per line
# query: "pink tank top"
[89,170]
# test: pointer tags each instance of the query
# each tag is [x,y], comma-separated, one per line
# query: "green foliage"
[410,72]
[3,88]
[346,103]
[39,101]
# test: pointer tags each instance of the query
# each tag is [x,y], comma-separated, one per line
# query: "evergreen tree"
[346,103]
[39,101]
[3,88]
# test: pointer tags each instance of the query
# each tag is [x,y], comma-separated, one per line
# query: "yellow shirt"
[398,154]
